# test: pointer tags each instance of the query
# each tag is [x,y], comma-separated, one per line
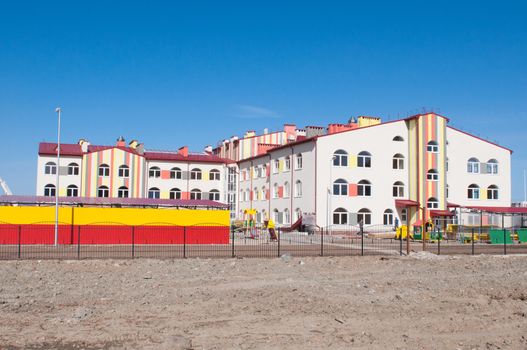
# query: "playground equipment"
[6,188]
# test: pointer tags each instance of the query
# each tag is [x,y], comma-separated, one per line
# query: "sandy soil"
[417,302]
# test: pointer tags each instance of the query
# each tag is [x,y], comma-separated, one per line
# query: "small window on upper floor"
[122,192]
[104,170]
[432,203]
[49,190]
[175,173]
[50,168]
[398,161]
[124,172]
[287,165]
[473,166]
[154,193]
[364,160]
[103,192]
[492,166]
[214,174]
[492,192]
[276,166]
[73,169]
[432,175]
[398,138]
[299,161]
[473,192]
[432,147]
[195,174]
[154,172]
[340,158]
[72,191]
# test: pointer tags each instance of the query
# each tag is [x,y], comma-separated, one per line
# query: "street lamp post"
[58,110]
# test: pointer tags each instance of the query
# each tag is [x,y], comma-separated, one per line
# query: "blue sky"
[191,73]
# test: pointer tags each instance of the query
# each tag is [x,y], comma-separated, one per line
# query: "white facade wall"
[378,141]
[65,180]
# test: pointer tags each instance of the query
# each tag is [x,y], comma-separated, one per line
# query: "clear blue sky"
[191,73]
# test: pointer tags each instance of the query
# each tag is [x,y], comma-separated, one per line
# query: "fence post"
[504,234]
[361,239]
[400,244]
[232,235]
[19,240]
[438,242]
[184,241]
[321,241]
[79,242]
[133,242]
[279,239]
[472,239]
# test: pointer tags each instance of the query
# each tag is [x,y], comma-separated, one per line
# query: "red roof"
[201,158]
[435,213]
[402,203]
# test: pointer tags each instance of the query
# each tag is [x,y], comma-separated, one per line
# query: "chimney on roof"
[120,142]
[266,131]
[140,149]
[84,145]
[133,144]
[183,151]
[208,149]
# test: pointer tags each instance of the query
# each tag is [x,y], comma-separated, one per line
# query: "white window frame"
[50,168]
[123,192]
[103,170]
[124,171]
[72,191]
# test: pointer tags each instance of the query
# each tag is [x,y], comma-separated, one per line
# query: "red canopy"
[501,210]
[435,213]
[403,203]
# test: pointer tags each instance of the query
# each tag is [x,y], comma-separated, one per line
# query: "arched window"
[154,193]
[104,170]
[398,189]
[432,146]
[473,166]
[287,216]
[446,164]
[298,188]
[299,161]
[50,168]
[364,215]
[404,216]
[387,217]
[398,161]
[103,192]
[432,203]
[258,171]
[195,174]
[175,193]
[122,192]
[398,138]
[73,169]
[340,216]
[214,195]
[195,194]
[287,190]
[256,194]
[492,166]
[340,187]
[277,217]
[447,191]
[124,171]
[72,191]
[275,190]
[364,160]
[364,188]
[154,172]
[287,165]
[298,214]
[214,174]
[175,173]
[276,166]
[473,191]
[340,158]
[49,190]
[264,193]
[432,175]
[492,192]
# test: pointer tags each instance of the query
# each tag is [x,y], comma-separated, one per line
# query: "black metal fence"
[212,241]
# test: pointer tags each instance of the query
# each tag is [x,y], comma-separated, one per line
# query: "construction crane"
[4,186]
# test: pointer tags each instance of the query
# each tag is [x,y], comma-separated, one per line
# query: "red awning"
[435,213]
[452,205]
[403,203]
[501,210]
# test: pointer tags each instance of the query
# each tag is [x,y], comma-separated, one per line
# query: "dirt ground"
[418,302]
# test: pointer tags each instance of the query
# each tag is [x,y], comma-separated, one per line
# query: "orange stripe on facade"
[112,171]
[87,185]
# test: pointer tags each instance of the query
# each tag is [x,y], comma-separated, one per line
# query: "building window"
[398,161]
[72,191]
[276,166]
[364,215]
[175,173]
[298,188]
[432,175]
[257,172]
[124,171]
[492,166]
[340,187]
[404,216]
[277,216]
[298,214]
[287,216]
[73,169]
[473,166]
[49,190]
[287,166]
[154,172]
[275,190]
[103,192]
[122,192]
[340,216]
[398,138]
[50,168]
[153,193]
[492,192]
[432,203]
[299,161]
[398,189]
[447,191]
[214,195]
[214,174]
[432,147]
[104,170]
[446,164]
[364,188]
[287,190]
[473,191]
[364,160]
[195,174]
[340,158]
[387,218]
[175,193]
